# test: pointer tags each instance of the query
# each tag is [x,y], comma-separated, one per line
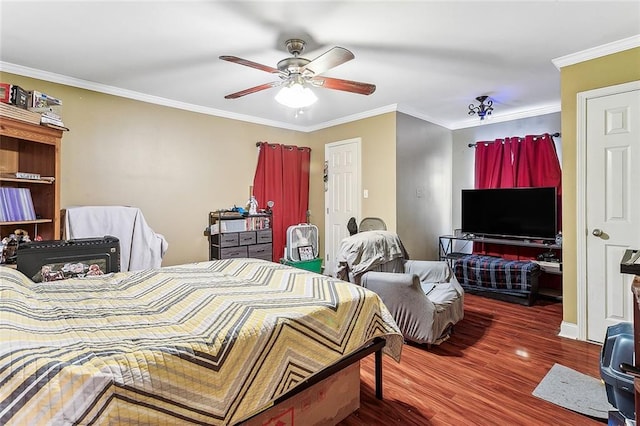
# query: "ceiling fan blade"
[251,64]
[254,89]
[329,59]
[345,85]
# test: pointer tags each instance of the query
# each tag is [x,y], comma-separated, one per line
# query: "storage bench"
[510,280]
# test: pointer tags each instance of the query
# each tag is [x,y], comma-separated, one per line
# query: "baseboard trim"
[568,330]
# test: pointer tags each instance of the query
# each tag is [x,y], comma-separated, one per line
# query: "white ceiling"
[427,58]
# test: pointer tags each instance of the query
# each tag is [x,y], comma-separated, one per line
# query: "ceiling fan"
[298,73]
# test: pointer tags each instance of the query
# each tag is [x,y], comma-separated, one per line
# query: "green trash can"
[313,265]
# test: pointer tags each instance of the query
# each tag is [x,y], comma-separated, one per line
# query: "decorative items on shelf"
[47,109]
[559,239]
[222,221]
[253,205]
[9,245]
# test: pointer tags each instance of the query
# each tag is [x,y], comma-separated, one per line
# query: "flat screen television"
[529,213]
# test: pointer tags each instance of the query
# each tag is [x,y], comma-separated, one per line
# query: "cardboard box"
[5,93]
[42,100]
[325,403]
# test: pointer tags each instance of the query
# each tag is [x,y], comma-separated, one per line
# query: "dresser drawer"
[233,252]
[225,240]
[261,251]
[247,238]
[263,236]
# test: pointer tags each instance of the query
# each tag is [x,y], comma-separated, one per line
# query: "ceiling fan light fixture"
[296,95]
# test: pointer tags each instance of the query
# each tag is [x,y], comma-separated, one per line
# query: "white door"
[342,196]
[612,207]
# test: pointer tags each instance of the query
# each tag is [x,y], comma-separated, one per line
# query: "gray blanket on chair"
[365,251]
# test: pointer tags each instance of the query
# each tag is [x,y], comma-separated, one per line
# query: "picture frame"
[306,253]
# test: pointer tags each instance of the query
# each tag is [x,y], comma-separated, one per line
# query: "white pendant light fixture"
[296,95]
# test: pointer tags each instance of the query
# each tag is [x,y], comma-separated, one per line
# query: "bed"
[205,343]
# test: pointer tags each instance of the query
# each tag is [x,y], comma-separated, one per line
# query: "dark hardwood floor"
[483,375]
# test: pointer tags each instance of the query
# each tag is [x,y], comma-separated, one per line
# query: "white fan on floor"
[302,240]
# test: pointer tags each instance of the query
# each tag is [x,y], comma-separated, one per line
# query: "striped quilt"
[204,343]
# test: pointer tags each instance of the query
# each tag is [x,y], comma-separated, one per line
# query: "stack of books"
[16,205]
[49,108]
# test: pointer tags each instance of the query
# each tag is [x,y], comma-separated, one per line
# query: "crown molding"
[500,118]
[130,94]
[597,52]
[412,112]
[350,118]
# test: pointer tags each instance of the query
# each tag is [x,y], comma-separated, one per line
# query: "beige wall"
[174,165]
[601,72]
[177,165]
[378,135]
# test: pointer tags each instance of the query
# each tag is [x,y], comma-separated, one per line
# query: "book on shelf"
[12,111]
[55,126]
[45,119]
[28,176]
[16,205]
[25,175]
[21,175]
[53,110]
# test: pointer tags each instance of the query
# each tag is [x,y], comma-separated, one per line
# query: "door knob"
[597,232]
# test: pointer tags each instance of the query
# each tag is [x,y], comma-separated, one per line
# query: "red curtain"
[531,161]
[282,176]
[514,162]
[496,163]
[489,158]
[538,163]
[538,166]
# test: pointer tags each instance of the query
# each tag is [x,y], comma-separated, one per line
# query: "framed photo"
[306,253]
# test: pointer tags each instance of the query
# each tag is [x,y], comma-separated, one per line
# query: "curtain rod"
[553,135]
[301,148]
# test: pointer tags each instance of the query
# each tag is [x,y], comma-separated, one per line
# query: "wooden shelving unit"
[32,148]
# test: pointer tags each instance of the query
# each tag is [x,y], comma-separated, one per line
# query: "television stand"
[454,247]
[446,244]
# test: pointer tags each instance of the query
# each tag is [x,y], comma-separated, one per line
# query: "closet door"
[612,207]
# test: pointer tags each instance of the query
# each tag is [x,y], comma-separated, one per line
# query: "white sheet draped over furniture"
[424,297]
[140,246]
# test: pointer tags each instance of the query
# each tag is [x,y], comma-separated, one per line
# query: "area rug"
[575,391]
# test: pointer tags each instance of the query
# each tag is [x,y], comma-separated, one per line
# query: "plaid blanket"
[488,272]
